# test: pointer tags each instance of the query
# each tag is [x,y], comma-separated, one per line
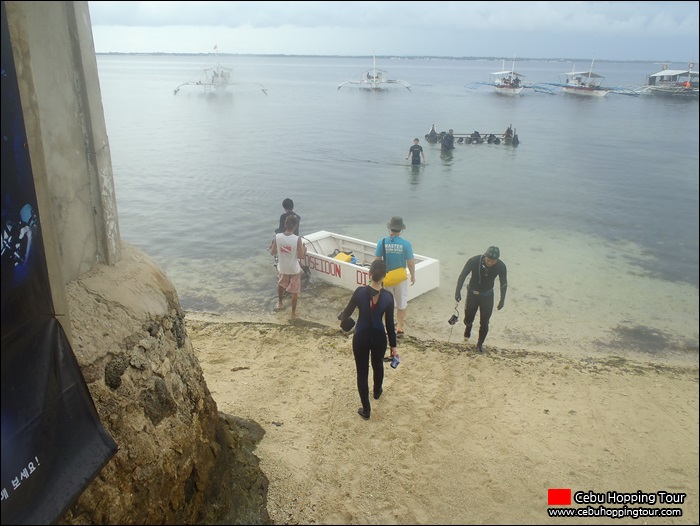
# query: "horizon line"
[558,59]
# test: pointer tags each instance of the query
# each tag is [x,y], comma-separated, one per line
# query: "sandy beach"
[457,437]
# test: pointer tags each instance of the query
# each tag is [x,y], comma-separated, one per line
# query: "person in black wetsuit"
[484,269]
[417,151]
[448,141]
[288,206]
[376,308]
[432,135]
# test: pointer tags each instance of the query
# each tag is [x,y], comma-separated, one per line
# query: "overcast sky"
[653,31]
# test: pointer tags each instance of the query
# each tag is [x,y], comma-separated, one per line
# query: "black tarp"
[53,443]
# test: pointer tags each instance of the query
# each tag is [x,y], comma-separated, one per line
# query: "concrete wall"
[58,82]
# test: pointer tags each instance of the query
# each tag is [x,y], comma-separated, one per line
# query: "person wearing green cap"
[484,269]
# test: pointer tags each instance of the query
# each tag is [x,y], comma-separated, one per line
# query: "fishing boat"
[584,83]
[215,80]
[375,79]
[509,82]
[344,261]
[679,83]
[588,84]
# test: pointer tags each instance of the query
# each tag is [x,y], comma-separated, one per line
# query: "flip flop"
[399,334]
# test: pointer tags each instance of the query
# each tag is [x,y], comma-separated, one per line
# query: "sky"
[620,31]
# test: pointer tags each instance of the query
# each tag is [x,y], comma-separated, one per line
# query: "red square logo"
[559,497]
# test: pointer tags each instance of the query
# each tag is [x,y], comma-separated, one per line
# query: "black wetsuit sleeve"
[281,226]
[350,307]
[503,280]
[462,277]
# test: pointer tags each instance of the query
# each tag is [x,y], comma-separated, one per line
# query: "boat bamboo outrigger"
[375,79]
[588,84]
[215,79]
[509,82]
[584,83]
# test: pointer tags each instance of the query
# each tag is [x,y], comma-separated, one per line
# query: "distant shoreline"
[384,57]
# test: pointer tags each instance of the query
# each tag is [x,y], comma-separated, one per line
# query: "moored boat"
[344,261]
[679,83]
[215,79]
[584,83]
[375,79]
[507,82]
[588,84]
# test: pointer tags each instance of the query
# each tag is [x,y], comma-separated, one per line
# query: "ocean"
[595,211]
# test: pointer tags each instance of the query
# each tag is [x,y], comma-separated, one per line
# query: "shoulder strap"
[383,249]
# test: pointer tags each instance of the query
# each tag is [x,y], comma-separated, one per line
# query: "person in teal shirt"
[397,252]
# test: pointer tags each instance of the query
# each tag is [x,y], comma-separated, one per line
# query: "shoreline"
[553,301]
[426,324]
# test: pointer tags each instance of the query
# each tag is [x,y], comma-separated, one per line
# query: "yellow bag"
[344,256]
[396,276]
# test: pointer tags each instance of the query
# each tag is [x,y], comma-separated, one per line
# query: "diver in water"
[417,151]
[448,141]
[432,135]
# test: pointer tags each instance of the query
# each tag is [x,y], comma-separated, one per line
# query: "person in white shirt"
[290,252]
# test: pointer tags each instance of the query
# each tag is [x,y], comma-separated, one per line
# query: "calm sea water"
[595,212]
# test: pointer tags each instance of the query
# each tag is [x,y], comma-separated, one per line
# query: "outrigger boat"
[588,84]
[344,261]
[375,79]
[585,83]
[215,79]
[679,83]
[509,83]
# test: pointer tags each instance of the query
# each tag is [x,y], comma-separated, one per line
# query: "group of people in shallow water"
[447,140]
[377,328]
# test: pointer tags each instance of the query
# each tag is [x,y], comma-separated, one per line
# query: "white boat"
[680,83]
[510,83]
[588,84]
[344,261]
[507,83]
[584,83]
[375,79]
[215,80]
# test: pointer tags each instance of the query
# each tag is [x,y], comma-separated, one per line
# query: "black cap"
[493,253]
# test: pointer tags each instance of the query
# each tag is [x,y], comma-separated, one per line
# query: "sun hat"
[396,223]
[493,253]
